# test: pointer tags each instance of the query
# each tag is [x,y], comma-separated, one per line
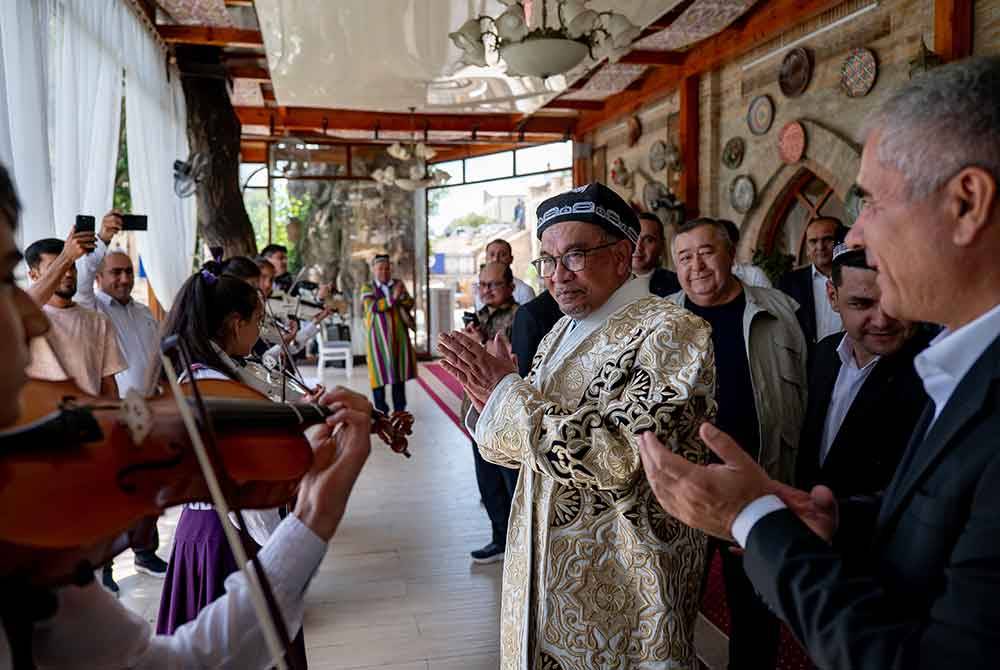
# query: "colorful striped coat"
[391,357]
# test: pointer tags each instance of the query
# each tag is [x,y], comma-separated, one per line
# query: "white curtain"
[24,142]
[86,92]
[155,127]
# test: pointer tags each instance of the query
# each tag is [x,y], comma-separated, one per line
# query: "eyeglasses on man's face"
[573,261]
[492,285]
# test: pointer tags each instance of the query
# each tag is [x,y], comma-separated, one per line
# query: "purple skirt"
[199,564]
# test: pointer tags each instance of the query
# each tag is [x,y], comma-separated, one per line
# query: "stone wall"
[893,30]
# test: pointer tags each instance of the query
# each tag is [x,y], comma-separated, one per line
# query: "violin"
[90,468]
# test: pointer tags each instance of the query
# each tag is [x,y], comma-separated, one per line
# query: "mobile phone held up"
[84,223]
[134,222]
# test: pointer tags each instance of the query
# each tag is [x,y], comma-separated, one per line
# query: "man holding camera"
[496,483]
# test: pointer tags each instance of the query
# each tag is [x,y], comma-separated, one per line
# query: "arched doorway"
[804,198]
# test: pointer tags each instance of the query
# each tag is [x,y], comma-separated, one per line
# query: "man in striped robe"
[391,358]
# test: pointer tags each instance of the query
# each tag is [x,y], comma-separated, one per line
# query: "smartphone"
[134,222]
[469,317]
[84,223]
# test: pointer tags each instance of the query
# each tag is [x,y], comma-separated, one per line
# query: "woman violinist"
[85,627]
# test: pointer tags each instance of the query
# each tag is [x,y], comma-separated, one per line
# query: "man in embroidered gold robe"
[596,575]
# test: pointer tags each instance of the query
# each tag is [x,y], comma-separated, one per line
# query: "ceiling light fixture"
[548,49]
[420,175]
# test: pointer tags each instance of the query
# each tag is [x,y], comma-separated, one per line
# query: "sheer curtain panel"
[24,142]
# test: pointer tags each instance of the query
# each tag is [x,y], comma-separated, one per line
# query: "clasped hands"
[710,497]
[477,367]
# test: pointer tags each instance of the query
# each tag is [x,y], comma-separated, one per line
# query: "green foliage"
[471,220]
[434,198]
[286,206]
[774,264]
[122,200]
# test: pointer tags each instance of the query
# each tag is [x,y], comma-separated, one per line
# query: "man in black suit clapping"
[926,592]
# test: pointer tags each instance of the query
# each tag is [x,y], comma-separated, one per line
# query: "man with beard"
[81,345]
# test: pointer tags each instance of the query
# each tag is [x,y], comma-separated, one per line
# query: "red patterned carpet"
[447,393]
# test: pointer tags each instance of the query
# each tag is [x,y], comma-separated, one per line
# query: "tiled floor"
[397,590]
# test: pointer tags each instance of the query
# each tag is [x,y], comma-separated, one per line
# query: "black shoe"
[491,553]
[150,564]
[109,581]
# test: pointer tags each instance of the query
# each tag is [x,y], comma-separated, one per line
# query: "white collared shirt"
[951,355]
[941,367]
[850,379]
[827,321]
[138,332]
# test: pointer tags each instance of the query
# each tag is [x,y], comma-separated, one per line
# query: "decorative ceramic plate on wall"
[658,156]
[795,73]
[791,142]
[857,74]
[732,153]
[760,116]
[742,193]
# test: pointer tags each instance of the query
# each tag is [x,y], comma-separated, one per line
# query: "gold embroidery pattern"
[596,574]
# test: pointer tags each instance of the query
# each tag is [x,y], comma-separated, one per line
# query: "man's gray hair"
[939,123]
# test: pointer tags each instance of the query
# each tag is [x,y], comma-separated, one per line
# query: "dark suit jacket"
[798,284]
[664,282]
[928,592]
[876,429]
[532,322]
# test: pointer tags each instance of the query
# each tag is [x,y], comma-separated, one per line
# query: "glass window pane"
[453,168]
[556,156]
[255,173]
[493,166]
[291,159]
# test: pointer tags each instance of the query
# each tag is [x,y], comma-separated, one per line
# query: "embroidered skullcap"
[847,256]
[594,203]
[380,257]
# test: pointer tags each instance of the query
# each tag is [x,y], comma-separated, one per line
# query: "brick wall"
[892,30]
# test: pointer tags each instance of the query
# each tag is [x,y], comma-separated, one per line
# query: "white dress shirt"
[827,321]
[941,367]
[91,630]
[850,379]
[138,332]
[522,293]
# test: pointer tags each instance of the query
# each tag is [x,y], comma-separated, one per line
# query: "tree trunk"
[214,130]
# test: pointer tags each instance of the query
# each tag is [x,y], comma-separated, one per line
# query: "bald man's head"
[116,276]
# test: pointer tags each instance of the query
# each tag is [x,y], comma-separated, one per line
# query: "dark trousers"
[398,397]
[754,632]
[496,486]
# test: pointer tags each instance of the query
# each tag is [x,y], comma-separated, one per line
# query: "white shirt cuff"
[751,514]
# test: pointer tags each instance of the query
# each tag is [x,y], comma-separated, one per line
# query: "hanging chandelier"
[420,174]
[550,48]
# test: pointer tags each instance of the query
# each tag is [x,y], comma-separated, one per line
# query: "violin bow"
[262,596]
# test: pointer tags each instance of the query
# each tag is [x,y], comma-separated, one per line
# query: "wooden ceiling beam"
[591,105]
[249,72]
[953,29]
[211,36]
[658,58]
[309,118]
[758,26]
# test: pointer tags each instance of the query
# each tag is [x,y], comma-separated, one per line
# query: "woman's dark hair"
[200,310]
[264,263]
[240,267]
[10,206]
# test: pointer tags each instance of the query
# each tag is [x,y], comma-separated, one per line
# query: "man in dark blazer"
[864,394]
[533,321]
[648,257]
[926,593]
[807,284]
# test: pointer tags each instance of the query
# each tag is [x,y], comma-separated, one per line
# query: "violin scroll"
[393,430]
